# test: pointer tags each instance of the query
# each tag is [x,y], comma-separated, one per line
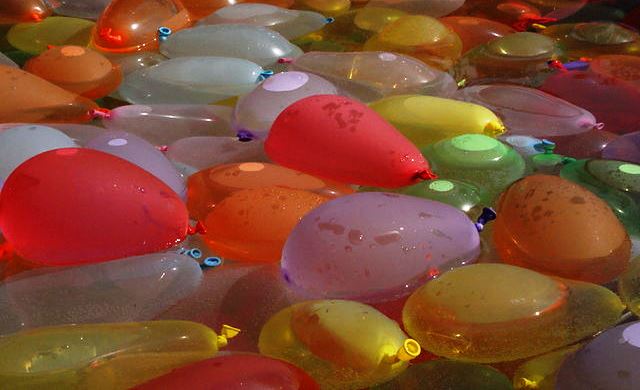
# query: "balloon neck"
[227,332]
[265,74]
[557,65]
[100,113]
[211,262]
[409,350]
[494,129]
[198,229]
[285,60]
[164,33]
[163,148]
[425,175]
[546,146]
[488,215]
[329,20]
[599,126]
[245,136]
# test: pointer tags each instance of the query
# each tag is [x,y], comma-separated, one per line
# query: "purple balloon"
[140,152]
[609,362]
[375,247]
[624,148]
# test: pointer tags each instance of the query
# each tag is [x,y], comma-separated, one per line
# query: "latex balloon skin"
[18,144]
[422,37]
[191,80]
[541,371]
[497,312]
[87,9]
[594,38]
[507,12]
[341,344]
[477,159]
[16,11]
[326,7]
[77,69]
[4,60]
[625,147]
[608,362]
[236,372]
[34,38]
[130,62]
[629,286]
[199,9]
[253,43]
[28,98]
[620,67]
[338,133]
[552,225]
[162,124]
[476,31]
[92,353]
[615,182]
[132,289]
[132,25]
[370,76]
[375,247]
[253,224]
[519,58]
[118,209]
[428,119]
[434,9]
[199,153]
[141,153]
[210,186]
[449,374]
[256,111]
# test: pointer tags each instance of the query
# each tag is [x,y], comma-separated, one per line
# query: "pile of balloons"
[320,194]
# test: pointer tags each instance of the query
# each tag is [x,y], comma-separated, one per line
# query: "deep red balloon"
[235,372]
[342,139]
[74,206]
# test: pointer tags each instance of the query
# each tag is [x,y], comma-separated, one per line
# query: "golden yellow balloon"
[342,344]
[629,286]
[375,18]
[326,7]
[540,372]
[429,119]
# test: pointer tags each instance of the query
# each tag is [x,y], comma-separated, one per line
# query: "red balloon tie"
[285,60]
[198,229]
[163,148]
[425,175]
[555,64]
[100,113]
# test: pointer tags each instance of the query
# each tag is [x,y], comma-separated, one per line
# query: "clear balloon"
[34,38]
[15,11]
[433,8]
[86,9]
[594,38]
[130,62]
[199,153]
[202,8]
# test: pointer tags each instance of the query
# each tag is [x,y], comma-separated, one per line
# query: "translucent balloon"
[434,8]
[615,182]
[86,9]
[130,62]
[4,60]
[477,159]
[34,38]
[76,69]
[141,153]
[475,31]
[203,152]
[18,144]
[253,224]
[428,119]
[540,372]
[209,187]
[88,356]
[373,19]
[290,24]
[459,194]
[555,226]
[235,372]
[163,124]
[117,209]
[448,375]
[594,38]
[626,148]
[497,312]
[133,289]
[202,8]
[191,80]
[609,362]
[520,58]
[15,11]
[370,76]
[344,140]
[620,67]
[256,111]
[375,246]
[132,25]
[422,37]
[341,344]
[80,134]
[28,98]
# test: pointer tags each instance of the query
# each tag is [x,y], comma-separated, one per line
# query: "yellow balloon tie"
[227,332]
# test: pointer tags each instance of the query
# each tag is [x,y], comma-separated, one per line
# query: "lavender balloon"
[255,112]
[375,246]
[625,148]
[609,362]
[141,153]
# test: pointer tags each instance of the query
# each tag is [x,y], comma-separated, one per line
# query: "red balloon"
[235,372]
[75,206]
[344,140]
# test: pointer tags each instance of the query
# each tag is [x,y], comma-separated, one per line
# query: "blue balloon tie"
[211,262]
[265,75]
[163,33]
[329,20]
[195,253]
[545,146]
[577,65]
[488,214]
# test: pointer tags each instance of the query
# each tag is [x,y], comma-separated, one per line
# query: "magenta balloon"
[256,111]
[375,246]
[140,152]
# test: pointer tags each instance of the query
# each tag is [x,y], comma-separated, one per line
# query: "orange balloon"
[17,11]
[77,69]
[475,31]
[557,227]
[26,98]
[253,224]
[210,186]
[203,8]
[132,25]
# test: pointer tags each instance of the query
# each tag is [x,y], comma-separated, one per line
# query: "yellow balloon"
[429,119]
[326,7]
[34,38]
[342,344]
[491,313]
[375,18]
[103,356]
[540,372]
[629,286]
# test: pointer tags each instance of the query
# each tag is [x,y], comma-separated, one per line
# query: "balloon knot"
[265,74]
[488,214]
[425,175]
[525,21]
[599,126]
[163,148]
[285,60]
[198,229]
[245,136]
[330,20]
[49,47]
[557,65]
[211,262]
[546,146]
[163,33]
[100,113]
